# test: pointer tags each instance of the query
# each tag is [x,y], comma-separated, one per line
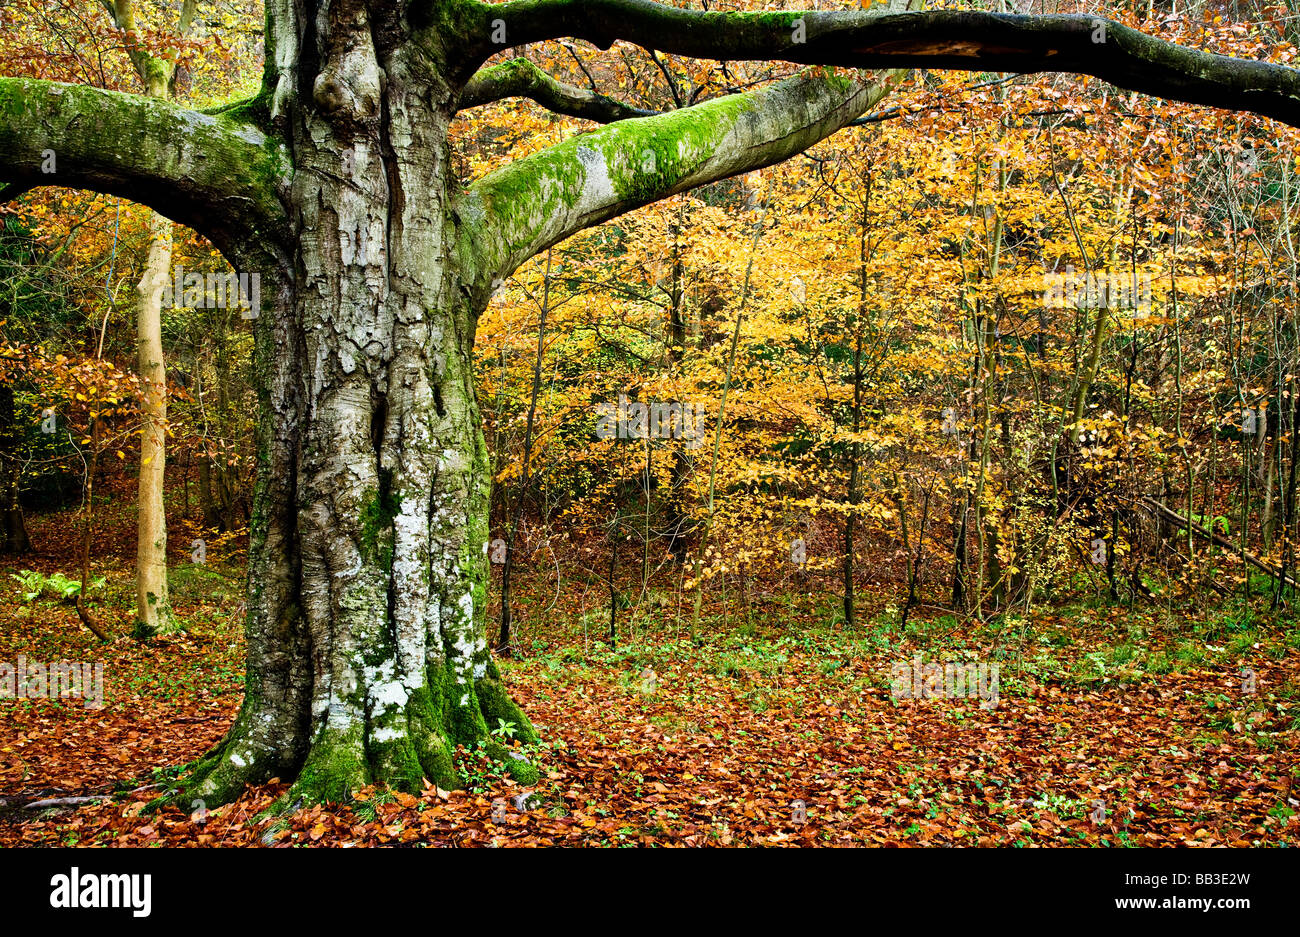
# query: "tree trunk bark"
[367,659]
[153,606]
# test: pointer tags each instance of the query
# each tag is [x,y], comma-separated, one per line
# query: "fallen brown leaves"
[784,734]
[714,759]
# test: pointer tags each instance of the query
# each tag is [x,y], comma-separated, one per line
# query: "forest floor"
[1112,726]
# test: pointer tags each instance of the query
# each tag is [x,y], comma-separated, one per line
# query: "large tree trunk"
[367,659]
[153,606]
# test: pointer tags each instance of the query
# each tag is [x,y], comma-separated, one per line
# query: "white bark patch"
[250,135]
[195,122]
[286,49]
[283,93]
[318,376]
[342,716]
[348,250]
[410,539]
[597,186]
[409,531]
[385,690]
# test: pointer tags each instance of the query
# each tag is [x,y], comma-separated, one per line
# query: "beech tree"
[367,657]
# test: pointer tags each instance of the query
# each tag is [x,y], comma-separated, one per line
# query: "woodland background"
[907,446]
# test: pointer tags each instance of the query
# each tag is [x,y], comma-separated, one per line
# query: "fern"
[60,586]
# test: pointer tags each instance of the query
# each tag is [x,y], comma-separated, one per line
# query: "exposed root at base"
[400,748]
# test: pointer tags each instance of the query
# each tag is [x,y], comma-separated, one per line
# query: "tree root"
[400,748]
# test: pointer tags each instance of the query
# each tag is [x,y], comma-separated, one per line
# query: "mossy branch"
[530,204]
[222,178]
[520,78]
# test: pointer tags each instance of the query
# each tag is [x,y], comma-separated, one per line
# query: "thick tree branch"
[221,178]
[520,78]
[943,39]
[532,203]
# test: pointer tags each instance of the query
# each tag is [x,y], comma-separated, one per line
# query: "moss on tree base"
[400,750]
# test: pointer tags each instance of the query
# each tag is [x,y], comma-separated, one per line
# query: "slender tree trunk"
[87,530]
[680,471]
[854,450]
[207,502]
[503,637]
[717,433]
[962,508]
[153,606]
[13,527]
[609,580]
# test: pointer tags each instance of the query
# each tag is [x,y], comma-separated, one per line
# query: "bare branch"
[520,78]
